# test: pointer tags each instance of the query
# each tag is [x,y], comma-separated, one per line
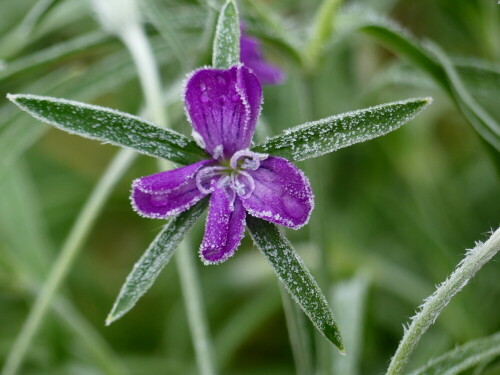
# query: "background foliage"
[393,218]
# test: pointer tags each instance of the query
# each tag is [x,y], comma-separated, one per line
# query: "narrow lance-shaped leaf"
[156,257]
[464,357]
[53,54]
[434,62]
[295,276]
[320,137]
[484,124]
[226,52]
[110,126]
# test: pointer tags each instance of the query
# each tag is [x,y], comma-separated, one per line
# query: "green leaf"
[432,61]
[156,257]
[269,27]
[463,358]
[53,53]
[484,124]
[21,225]
[295,276]
[111,126]
[226,51]
[323,28]
[320,137]
[349,297]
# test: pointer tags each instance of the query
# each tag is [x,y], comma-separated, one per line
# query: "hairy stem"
[430,310]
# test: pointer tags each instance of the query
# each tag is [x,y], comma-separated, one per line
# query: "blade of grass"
[63,263]
[300,338]
[349,297]
[29,256]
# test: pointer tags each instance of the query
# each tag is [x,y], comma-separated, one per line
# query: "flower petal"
[168,180]
[223,107]
[251,56]
[282,193]
[167,193]
[224,228]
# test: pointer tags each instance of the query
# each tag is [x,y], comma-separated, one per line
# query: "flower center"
[231,176]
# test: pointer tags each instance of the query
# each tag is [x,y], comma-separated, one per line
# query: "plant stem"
[195,310]
[430,310]
[66,257]
[138,45]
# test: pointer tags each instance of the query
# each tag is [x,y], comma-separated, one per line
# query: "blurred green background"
[393,216]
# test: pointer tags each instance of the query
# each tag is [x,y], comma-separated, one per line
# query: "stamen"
[243,184]
[206,176]
[246,159]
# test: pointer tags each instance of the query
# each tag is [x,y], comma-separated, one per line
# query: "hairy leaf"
[295,276]
[156,257]
[111,126]
[320,137]
[464,357]
[226,52]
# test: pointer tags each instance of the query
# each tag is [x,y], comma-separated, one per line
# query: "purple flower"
[251,56]
[223,107]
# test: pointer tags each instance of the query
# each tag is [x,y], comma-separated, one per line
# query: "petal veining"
[168,180]
[167,193]
[223,107]
[282,193]
[224,228]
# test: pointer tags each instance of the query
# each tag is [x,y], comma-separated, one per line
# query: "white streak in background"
[117,15]
[122,18]
[3,65]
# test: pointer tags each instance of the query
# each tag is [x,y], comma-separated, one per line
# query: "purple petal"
[223,107]
[224,229]
[251,56]
[282,193]
[168,180]
[167,193]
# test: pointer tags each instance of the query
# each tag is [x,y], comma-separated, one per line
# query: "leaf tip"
[428,100]
[332,333]
[109,320]
[12,97]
